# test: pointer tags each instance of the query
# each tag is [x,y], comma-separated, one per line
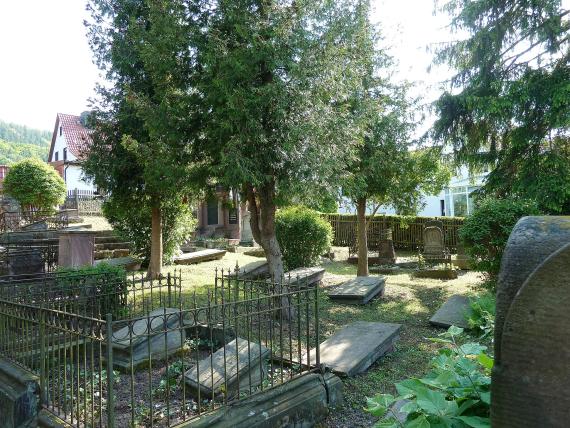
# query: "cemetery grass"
[408,301]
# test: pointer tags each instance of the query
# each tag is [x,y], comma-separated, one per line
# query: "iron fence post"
[43,386]
[318,345]
[169,290]
[110,374]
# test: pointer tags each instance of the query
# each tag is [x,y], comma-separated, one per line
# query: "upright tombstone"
[386,253]
[76,248]
[532,343]
[433,241]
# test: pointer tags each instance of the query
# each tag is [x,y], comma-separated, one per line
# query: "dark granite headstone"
[25,261]
[532,344]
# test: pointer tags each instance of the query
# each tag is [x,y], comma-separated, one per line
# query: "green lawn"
[409,301]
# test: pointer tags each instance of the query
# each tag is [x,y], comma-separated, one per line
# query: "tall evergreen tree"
[144,123]
[276,79]
[508,106]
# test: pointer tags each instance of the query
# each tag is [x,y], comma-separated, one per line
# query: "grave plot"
[358,291]
[199,256]
[355,347]
[177,359]
[452,312]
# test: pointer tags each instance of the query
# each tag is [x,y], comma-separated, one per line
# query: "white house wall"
[74,179]
[58,147]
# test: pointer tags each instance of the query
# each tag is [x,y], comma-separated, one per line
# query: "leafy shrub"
[132,221]
[481,316]
[98,290]
[302,235]
[486,231]
[35,185]
[455,393]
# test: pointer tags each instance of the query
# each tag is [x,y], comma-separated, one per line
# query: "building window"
[442,207]
[460,201]
[56,156]
[212,208]
[65,153]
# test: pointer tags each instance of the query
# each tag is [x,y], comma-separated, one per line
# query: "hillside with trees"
[19,142]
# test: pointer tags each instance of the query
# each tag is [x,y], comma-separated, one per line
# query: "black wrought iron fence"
[172,355]
[14,221]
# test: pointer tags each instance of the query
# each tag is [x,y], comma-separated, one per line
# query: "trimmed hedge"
[303,236]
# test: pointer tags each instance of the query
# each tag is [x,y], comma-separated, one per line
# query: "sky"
[46,64]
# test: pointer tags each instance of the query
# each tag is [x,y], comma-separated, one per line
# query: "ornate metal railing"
[170,356]
[21,220]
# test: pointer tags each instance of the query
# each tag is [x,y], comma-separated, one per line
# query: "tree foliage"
[276,80]
[486,231]
[508,106]
[11,152]
[144,124]
[35,185]
[22,134]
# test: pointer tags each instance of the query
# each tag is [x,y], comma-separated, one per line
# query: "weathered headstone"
[304,276]
[76,248]
[162,331]
[359,290]
[199,256]
[356,347]
[452,312]
[532,344]
[433,241]
[236,366]
[25,261]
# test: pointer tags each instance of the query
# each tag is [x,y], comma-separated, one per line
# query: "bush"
[98,290]
[302,235]
[35,185]
[456,392]
[132,221]
[486,231]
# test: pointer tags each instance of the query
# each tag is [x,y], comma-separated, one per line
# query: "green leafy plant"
[455,393]
[303,236]
[35,185]
[486,231]
[481,316]
[99,289]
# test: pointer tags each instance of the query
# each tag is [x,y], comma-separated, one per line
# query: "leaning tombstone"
[386,252]
[532,345]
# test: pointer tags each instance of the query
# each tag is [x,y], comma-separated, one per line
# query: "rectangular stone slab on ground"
[162,331]
[359,290]
[356,346]
[244,361]
[452,312]
[199,256]
[302,276]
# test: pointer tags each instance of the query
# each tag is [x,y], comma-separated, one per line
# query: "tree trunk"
[262,208]
[155,265]
[362,269]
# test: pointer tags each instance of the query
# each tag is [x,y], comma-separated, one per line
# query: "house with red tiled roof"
[70,143]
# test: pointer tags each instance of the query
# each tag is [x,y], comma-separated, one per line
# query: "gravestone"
[199,256]
[434,223]
[236,366]
[163,331]
[452,312]
[25,261]
[304,276]
[356,347]
[359,290]
[76,248]
[532,345]
[433,241]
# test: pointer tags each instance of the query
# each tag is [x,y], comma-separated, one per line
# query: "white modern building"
[455,200]
[69,143]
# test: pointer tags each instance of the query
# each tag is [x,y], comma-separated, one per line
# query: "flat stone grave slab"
[199,256]
[162,331]
[253,270]
[128,263]
[244,366]
[359,290]
[452,312]
[356,346]
[301,276]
